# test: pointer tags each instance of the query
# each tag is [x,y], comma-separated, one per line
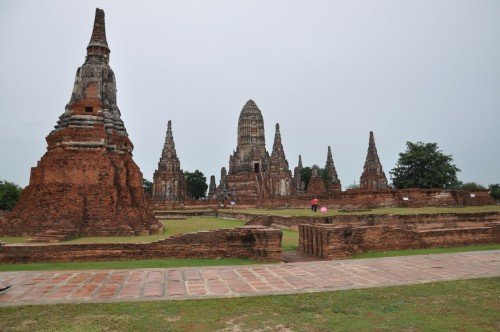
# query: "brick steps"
[53,236]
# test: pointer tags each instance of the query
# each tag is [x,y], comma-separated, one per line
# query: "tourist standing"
[314,204]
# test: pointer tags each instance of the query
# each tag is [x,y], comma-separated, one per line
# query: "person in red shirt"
[314,204]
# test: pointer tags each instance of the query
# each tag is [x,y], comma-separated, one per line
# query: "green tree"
[423,165]
[471,186]
[9,195]
[148,187]
[353,186]
[196,184]
[305,176]
[495,191]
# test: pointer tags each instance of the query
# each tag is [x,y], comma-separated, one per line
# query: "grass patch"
[465,305]
[395,210]
[429,251]
[131,264]
[290,240]
[172,227]
[14,239]
[175,227]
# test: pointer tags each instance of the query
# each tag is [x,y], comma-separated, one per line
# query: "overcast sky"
[327,71]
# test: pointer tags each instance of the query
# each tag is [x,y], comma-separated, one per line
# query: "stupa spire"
[334,182]
[373,177]
[299,185]
[88,171]
[280,175]
[98,45]
[277,145]
[169,182]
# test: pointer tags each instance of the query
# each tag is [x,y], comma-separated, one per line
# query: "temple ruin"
[373,176]
[249,163]
[280,176]
[87,183]
[253,174]
[169,182]
[333,183]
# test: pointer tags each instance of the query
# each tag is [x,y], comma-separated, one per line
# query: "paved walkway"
[45,287]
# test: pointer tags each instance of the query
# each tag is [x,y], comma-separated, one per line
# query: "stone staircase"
[53,236]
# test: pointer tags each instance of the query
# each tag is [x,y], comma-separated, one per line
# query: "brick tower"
[334,182]
[249,164]
[373,177]
[212,188]
[222,192]
[87,183]
[297,181]
[280,176]
[169,182]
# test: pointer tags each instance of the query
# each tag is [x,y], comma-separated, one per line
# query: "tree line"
[422,166]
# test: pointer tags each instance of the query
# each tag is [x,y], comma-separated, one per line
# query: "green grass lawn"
[128,264]
[395,253]
[172,227]
[394,210]
[194,224]
[465,305]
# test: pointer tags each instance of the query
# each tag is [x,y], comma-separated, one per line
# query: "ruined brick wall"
[84,193]
[363,199]
[330,241]
[254,242]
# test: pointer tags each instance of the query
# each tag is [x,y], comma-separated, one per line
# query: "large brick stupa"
[87,183]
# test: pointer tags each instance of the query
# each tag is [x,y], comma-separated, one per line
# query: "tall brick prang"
[87,183]
[373,177]
[249,163]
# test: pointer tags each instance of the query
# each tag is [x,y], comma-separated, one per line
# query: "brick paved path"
[231,281]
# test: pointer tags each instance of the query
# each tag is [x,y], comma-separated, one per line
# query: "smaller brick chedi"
[87,183]
[333,179]
[373,176]
[280,176]
[169,182]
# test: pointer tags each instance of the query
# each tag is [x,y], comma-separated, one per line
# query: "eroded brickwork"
[297,180]
[280,176]
[342,240]
[169,182]
[333,179]
[249,164]
[87,182]
[254,242]
[373,176]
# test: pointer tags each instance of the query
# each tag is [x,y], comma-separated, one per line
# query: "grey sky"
[327,71]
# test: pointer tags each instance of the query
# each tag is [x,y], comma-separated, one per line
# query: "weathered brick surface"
[169,182]
[254,242]
[373,176]
[339,240]
[365,199]
[280,176]
[87,182]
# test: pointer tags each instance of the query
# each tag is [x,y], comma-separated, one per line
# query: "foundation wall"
[253,242]
[328,241]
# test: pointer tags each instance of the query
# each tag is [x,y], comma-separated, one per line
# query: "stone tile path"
[46,287]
